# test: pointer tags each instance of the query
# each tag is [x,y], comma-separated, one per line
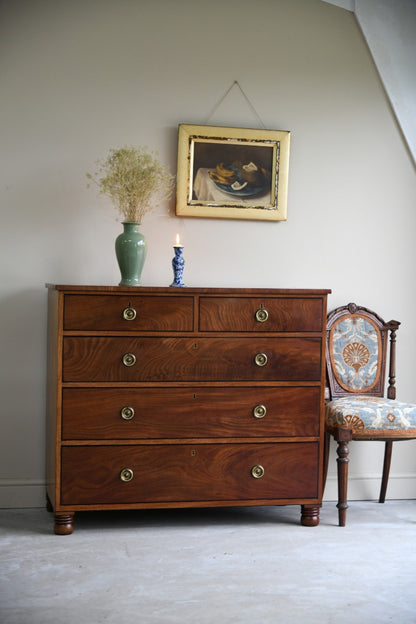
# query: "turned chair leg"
[386,470]
[342,461]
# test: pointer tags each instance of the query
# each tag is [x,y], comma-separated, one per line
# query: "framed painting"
[232,173]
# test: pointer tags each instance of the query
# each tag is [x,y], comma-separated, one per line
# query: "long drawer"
[192,412]
[180,472]
[186,359]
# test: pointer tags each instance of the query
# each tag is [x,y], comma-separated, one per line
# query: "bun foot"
[64,523]
[310,515]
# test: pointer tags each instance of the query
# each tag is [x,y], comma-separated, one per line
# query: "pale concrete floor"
[212,566]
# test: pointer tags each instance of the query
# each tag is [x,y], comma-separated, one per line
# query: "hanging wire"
[233,84]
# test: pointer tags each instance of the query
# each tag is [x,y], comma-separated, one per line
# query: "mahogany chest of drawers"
[184,397]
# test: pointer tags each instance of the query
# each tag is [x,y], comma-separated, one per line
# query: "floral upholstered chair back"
[356,352]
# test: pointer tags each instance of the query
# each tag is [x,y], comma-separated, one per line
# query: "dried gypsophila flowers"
[134,179]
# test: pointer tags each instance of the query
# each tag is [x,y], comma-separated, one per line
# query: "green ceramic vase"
[131,252]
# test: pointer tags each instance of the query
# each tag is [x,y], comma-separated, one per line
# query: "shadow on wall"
[22,386]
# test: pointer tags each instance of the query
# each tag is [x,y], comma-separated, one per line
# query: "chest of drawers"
[184,397]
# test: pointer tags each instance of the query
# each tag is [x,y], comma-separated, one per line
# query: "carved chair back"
[357,341]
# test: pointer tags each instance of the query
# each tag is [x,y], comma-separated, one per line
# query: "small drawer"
[193,412]
[129,359]
[183,473]
[128,313]
[260,314]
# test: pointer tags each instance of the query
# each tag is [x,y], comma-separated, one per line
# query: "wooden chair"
[357,341]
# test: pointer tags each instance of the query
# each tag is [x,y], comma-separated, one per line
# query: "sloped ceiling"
[389,27]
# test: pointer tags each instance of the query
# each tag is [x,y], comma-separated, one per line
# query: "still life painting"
[232,173]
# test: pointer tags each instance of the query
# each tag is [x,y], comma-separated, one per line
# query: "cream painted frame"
[274,145]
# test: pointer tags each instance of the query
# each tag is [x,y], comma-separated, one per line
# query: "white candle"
[178,243]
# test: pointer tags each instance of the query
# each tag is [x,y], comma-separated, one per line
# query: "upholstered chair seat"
[371,418]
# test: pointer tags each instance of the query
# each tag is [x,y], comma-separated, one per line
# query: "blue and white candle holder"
[178,264]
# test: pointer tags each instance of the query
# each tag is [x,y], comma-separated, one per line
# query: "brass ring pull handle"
[126,475]
[259,411]
[261,315]
[129,359]
[129,314]
[260,359]
[257,471]
[127,412]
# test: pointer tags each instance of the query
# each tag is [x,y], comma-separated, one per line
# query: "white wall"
[389,28]
[82,76]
